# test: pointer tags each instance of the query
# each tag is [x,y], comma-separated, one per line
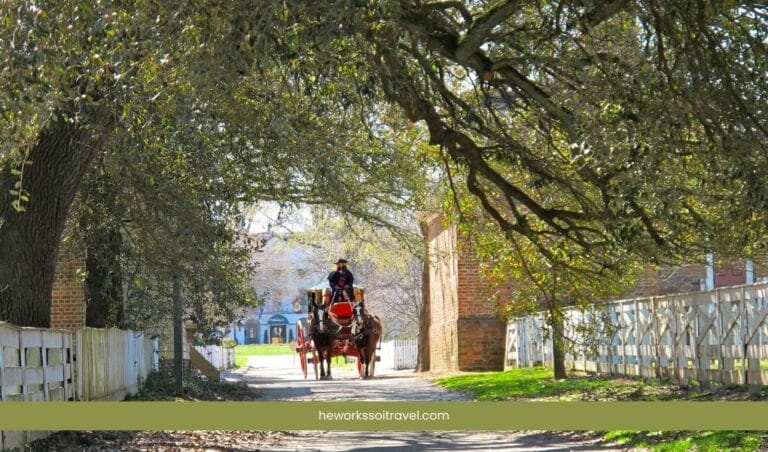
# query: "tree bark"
[104,282]
[29,240]
[558,349]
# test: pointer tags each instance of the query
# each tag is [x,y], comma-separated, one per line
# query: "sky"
[267,216]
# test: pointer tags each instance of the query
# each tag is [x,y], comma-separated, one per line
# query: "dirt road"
[279,378]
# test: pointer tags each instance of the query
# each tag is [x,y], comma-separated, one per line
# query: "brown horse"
[323,334]
[367,334]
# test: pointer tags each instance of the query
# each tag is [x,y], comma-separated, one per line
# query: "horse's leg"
[364,357]
[329,357]
[320,358]
[368,362]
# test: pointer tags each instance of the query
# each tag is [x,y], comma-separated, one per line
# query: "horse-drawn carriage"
[337,326]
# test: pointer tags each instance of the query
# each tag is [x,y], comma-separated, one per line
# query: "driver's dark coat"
[339,277]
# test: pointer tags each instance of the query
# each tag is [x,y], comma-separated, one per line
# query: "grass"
[685,441]
[536,382]
[539,384]
[242,352]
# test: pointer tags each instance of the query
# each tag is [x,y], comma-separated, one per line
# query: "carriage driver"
[342,280]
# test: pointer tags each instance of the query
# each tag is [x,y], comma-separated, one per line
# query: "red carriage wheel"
[301,347]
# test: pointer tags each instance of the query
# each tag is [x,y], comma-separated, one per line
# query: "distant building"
[285,271]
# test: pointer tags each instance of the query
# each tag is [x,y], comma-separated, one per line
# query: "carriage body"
[341,314]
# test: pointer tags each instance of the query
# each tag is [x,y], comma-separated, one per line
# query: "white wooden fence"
[398,354]
[111,363]
[221,358]
[35,365]
[719,336]
[406,353]
[47,365]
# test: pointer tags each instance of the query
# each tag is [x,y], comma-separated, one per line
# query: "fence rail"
[716,336]
[221,358]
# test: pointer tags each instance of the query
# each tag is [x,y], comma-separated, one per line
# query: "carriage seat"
[341,313]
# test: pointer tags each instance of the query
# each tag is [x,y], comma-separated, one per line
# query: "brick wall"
[465,333]
[443,297]
[481,330]
[687,278]
[668,280]
[68,294]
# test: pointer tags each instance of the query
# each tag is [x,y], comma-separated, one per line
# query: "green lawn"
[242,352]
[685,441]
[539,384]
[521,383]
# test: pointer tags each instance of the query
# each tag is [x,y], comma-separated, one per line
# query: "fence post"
[638,340]
[655,336]
[752,364]
[155,353]
[702,363]
[720,338]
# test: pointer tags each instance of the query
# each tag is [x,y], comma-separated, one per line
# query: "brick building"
[466,334]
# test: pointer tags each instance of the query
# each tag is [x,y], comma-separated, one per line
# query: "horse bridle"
[360,319]
[319,316]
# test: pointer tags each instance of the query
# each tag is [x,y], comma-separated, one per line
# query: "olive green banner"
[408,416]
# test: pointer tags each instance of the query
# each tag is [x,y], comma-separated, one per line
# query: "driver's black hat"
[341,261]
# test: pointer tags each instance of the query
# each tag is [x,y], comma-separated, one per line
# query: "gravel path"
[279,378]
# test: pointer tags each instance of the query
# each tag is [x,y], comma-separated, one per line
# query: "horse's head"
[321,317]
[359,318]
[357,311]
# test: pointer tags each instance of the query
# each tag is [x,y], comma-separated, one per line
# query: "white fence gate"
[716,336]
[221,358]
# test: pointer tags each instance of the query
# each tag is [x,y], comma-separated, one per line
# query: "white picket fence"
[719,336]
[399,354]
[39,364]
[406,353]
[221,358]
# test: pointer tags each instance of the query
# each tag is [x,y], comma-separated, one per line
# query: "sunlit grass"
[242,352]
[685,441]
[522,383]
[539,383]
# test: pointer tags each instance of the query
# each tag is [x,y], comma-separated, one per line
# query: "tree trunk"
[29,241]
[103,281]
[558,349]
[423,361]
